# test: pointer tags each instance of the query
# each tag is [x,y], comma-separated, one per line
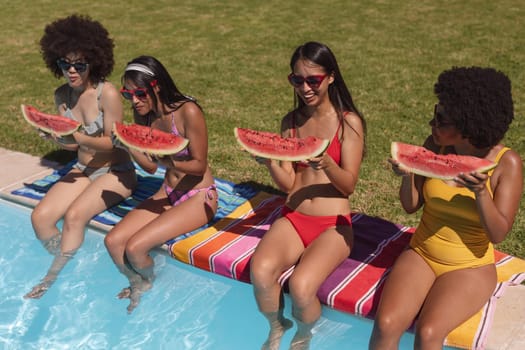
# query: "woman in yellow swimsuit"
[448,273]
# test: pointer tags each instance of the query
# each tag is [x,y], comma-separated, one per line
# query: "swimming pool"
[188,308]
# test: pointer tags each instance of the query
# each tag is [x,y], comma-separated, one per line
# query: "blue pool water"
[187,308]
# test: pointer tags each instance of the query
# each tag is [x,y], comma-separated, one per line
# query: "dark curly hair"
[478,101]
[78,34]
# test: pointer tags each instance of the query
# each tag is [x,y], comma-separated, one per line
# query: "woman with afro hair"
[80,50]
[448,272]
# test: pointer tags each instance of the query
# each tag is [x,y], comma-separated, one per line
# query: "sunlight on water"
[186,309]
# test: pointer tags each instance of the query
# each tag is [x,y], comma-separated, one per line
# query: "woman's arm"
[345,177]
[497,214]
[410,191]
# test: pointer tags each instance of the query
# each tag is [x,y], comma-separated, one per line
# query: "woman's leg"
[279,249]
[53,207]
[44,218]
[91,199]
[404,292]
[117,239]
[180,219]
[318,261]
[454,297]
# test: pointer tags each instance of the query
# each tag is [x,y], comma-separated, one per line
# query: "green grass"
[233,56]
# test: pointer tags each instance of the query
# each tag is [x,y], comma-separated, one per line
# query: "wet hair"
[147,72]
[478,101]
[338,92]
[82,35]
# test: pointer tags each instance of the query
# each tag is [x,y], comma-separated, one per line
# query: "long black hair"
[147,72]
[338,92]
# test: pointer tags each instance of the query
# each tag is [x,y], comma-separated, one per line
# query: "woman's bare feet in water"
[301,342]
[301,339]
[133,293]
[277,330]
[38,290]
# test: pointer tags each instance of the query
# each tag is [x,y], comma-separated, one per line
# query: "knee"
[40,217]
[386,326]
[113,242]
[74,218]
[427,334]
[302,291]
[263,272]
[134,251]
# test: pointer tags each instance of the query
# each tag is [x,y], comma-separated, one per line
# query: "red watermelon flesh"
[148,140]
[272,146]
[422,161]
[50,123]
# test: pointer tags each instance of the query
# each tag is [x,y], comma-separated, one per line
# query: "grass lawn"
[233,57]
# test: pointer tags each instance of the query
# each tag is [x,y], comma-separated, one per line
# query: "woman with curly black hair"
[448,273]
[80,50]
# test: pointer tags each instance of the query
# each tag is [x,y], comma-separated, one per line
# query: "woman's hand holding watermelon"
[397,168]
[474,181]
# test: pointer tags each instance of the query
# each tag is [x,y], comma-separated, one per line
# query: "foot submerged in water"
[133,293]
[277,330]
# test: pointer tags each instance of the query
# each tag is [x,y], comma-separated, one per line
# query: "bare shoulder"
[191,109]
[511,159]
[354,122]
[109,92]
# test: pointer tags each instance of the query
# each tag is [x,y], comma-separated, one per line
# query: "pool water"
[187,308]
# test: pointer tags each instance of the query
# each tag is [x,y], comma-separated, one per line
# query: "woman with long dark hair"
[315,230]
[188,197]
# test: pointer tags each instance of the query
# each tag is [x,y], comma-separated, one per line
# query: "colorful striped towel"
[231,195]
[355,286]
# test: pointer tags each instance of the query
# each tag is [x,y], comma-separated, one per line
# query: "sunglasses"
[438,120]
[312,80]
[139,93]
[65,65]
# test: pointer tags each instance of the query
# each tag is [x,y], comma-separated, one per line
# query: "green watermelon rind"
[74,125]
[278,154]
[395,153]
[159,148]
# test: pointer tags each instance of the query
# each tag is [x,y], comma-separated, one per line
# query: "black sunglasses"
[65,65]
[438,120]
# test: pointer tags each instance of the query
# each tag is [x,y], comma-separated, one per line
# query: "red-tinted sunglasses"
[312,80]
[139,93]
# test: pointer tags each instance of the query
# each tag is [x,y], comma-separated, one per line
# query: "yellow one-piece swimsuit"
[450,236]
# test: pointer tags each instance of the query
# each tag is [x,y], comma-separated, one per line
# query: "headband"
[139,68]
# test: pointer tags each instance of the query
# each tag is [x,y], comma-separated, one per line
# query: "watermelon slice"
[272,146]
[148,140]
[422,161]
[50,123]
